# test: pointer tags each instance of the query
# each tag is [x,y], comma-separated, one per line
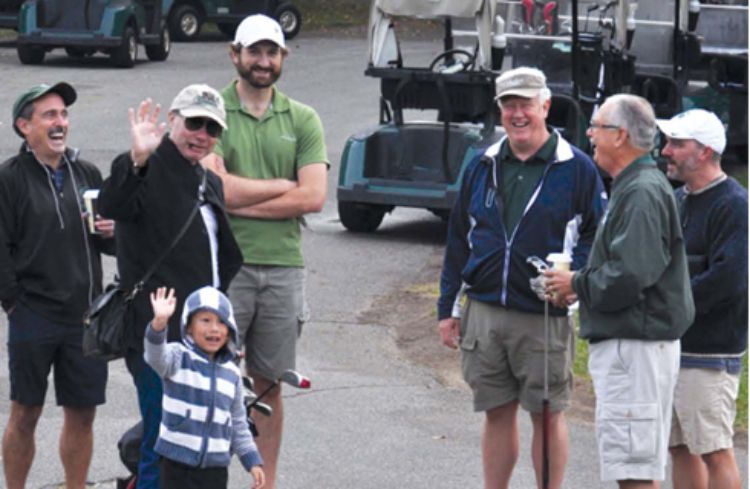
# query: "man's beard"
[248,76]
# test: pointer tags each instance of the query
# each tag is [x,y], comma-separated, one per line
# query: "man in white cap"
[530,194]
[152,192]
[273,163]
[713,210]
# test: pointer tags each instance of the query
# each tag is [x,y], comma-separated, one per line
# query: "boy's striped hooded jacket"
[203,415]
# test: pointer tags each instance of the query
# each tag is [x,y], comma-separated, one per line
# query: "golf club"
[541,266]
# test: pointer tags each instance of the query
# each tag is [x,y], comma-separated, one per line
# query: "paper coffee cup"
[89,200]
[560,261]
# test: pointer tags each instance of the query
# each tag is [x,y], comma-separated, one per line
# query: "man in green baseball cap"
[50,271]
[23,102]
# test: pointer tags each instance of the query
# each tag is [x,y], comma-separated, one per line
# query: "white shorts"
[634,382]
[704,410]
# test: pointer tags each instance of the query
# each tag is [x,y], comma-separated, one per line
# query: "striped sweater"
[203,416]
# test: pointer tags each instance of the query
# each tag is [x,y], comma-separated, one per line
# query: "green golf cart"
[186,17]
[83,28]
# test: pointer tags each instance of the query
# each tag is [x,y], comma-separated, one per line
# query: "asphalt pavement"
[372,419]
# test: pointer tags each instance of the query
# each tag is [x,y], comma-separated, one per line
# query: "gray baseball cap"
[200,101]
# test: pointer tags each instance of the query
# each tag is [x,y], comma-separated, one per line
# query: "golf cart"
[419,163]
[114,27]
[186,17]
[9,13]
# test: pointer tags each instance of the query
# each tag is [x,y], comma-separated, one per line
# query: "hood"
[210,299]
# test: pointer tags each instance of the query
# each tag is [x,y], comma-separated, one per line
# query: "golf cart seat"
[566,116]
[662,92]
[68,14]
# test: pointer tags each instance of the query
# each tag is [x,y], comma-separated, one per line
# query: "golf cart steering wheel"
[445,54]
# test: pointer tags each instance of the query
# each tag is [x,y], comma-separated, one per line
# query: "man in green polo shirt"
[273,163]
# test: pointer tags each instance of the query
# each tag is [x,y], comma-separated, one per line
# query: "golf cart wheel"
[360,218]
[124,55]
[30,55]
[228,29]
[290,20]
[160,52]
[185,23]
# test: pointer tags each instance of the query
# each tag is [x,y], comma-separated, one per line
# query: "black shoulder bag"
[106,321]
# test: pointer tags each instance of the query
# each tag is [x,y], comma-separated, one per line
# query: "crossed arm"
[276,198]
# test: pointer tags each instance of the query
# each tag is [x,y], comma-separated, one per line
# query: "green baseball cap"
[63,89]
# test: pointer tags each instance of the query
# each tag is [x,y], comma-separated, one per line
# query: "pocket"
[628,432]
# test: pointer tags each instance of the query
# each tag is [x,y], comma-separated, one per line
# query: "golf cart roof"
[381,36]
[430,9]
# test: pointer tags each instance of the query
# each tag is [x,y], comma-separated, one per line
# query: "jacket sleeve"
[121,195]
[9,287]
[161,356]
[638,254]
[456,250]
[242,440]
[725,278]
[592,203]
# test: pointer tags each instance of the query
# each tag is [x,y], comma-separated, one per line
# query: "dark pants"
[149,387]
[175,475]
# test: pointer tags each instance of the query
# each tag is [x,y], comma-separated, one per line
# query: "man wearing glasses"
[530,194]
[635,299]
[151,193]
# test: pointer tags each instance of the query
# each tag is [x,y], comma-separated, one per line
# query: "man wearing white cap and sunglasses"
[713,211]
[273,163]
[154,190]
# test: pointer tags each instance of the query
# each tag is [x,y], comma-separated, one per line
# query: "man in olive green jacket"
[635,298]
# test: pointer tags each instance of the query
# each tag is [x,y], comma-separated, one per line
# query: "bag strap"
[201,199]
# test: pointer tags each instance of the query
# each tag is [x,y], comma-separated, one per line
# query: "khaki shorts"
[704,410]
[633,381]
[502,357]
[269,309]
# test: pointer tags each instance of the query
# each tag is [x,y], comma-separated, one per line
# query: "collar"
[544,154]
[279,101]
[562,152]
[713,183]
[643,161]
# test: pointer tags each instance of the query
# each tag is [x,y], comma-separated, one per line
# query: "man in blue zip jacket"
[713,213]
[530,194]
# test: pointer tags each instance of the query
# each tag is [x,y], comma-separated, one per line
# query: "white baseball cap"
[698,124]
[257,28]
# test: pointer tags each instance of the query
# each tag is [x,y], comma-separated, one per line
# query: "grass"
[741,420]
[322,14]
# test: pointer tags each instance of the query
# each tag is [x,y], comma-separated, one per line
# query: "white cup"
[560,261]
[89,200]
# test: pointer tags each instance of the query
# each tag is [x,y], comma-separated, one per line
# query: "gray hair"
[635,115]
[26,112]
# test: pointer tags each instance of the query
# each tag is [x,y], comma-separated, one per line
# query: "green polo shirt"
[286,138]
[520,178]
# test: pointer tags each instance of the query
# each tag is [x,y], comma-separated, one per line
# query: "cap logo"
[206,98]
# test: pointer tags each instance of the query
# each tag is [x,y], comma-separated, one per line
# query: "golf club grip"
[545,443]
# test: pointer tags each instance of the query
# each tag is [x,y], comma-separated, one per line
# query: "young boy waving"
[204,420]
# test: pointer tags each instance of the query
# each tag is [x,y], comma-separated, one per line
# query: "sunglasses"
[213,128]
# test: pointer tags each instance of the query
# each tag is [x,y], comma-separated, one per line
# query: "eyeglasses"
[596,125]
[213,128]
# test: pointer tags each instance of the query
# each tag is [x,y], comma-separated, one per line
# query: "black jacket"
[150,208]
[49,261]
